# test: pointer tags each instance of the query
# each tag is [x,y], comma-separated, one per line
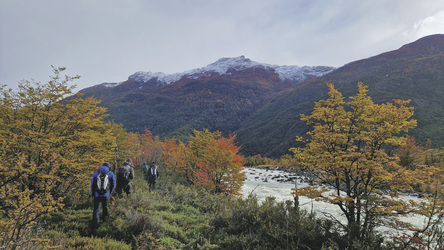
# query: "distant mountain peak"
[222,65]
[227,64]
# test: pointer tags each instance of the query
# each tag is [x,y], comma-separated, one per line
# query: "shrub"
[247,224]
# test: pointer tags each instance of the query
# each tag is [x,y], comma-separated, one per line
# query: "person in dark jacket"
[103,183]
[124,176]
[152,175]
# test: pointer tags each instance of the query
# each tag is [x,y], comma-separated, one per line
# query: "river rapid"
[273,182]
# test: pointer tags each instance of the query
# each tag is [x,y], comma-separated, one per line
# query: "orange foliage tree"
[142,148]
[218,165]
[151,147]
[208,160]
[174,154]
[49,147]
[346,151]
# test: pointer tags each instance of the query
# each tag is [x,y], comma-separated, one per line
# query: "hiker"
[145,170]
[102,186]
[124,176]
[152,175]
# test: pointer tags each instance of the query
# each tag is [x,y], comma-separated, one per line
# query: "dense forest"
[51,146]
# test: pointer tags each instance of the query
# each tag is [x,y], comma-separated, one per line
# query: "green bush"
[247,224]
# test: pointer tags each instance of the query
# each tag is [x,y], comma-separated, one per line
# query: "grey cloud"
[107,40]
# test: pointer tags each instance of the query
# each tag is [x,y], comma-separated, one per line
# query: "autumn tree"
[409,153]
[346,151]
[175,158]
[49,147]
[431,234]
[141,148]
[134,146]
[151,147]
[218,165]
[120,146]
[208,160]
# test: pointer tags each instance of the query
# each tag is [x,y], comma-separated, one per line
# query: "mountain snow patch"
[159,76]
[224,65]
[299,74]
[113,84]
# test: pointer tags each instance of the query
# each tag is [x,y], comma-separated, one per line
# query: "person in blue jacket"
[102,186]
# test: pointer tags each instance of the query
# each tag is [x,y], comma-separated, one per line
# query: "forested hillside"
[219,97]
[414,72]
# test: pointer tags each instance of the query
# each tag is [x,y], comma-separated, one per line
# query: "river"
[277,183]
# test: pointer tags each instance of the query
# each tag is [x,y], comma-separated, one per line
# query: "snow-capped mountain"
[228,65]
[250,99]
[219,96]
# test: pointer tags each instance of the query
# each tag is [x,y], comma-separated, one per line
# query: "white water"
[274,183]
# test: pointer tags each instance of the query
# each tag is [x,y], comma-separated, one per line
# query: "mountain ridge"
[219,96]
[237,95]
[225,66]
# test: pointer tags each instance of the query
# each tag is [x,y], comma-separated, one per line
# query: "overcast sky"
[108,40]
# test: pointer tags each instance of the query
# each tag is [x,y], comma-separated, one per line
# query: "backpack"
[103,184]
[123,174]
[152,173]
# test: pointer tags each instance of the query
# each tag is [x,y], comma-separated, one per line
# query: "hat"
[106,164]
[131,161]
